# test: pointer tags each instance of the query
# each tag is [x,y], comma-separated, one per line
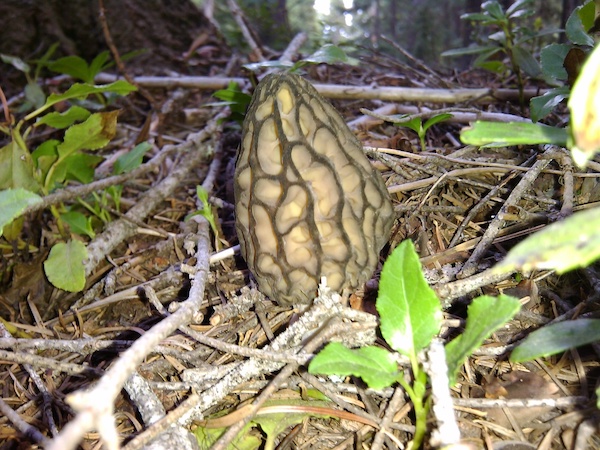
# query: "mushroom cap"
[308,202]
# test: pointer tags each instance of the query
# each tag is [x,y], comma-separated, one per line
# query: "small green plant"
[583,136]
[511,37]
[416,124]
[237,101]
[27,174]
[411,315]
[561,63]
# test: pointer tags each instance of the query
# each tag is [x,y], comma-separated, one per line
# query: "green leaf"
[492,66]
[578,24]
[436,119]
[526,61]
[74,66]
[544,104]
[98,64]
[277,64]
[330,54]
[512,133]
[472,50]
[237,100]
[374,365]
[520,8]
[79,223]
[66,119]
[206,210]
[410,311]
[132,159]
[494,9]
[481,323]
[80,167]
[13,202]
[566,245]
[274,424]
[16,168]
[552,58]
[415,124]
[81,91]
[94,133]
[34,94]
[65,266]
[44,156]
[16,62]
[556,338]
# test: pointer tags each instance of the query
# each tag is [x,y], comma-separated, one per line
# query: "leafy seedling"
[562,63]
[410,316]
[207,213]
[25,174]
[416,124]
[510,37]
[237,101]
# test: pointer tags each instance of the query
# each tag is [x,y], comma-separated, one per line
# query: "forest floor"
[213,343]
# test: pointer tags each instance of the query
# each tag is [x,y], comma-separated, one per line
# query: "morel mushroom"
[308,202]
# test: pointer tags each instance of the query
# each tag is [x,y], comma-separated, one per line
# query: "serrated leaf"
[585,115]
[556,338]
[566,245]
[13,202]
[374,365]
[481,323]
[581,20]
[65,266]
[544,104]
[132,159]
[16,168]
[512,133]
[66,119]
[410,312]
